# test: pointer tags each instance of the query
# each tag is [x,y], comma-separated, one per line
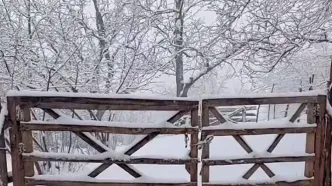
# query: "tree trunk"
[104,51]
[178,41]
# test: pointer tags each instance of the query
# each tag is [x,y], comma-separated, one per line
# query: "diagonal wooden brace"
[93,144]
[216,113]
[274,144]
[138,145]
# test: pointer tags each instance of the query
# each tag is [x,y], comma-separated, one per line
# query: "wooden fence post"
[327,152]
[3,160]
[28,143]
[15,143]
[310,140]
[320,143]
[193,145]
[206,147]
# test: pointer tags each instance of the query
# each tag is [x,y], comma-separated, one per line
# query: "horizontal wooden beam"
[258,131]
[33,182]
[260,100]
[104,103]
[279,183]
[238,120]
[92,159]
[232,109]
[106,129]
[258,160]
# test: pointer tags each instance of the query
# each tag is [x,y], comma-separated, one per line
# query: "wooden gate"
[23,156]
[317,128]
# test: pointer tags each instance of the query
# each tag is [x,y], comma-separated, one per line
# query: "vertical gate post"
[327,152]
[15,143]
[310,140]
[321,142]
[193,145]
[28,143]
[206,147]
[3,159]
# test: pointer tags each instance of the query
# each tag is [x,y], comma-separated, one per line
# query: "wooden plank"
[33,182]
[260,100]
[206,147]
[275,143]
[258,131]
[35,125]
[279,183]
[3,160]
[319,143]
[137,146]
[90,159]
[215,121]
[327,152]
[243,143]
[15,141]
[251,171]
[215,112]
[232,109]
[298,112]
[28,143]
[178,116]
[105,103]
[236,114]
[310,141]
[267,170]
[193,147]
[258,160]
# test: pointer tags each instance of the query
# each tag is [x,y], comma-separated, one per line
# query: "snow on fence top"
[66,100]
[28,93]
[265,95]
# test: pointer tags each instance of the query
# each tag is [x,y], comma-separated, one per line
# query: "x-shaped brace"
[88,139]
[136,147]
[249,150]
[92,142]
[274,144]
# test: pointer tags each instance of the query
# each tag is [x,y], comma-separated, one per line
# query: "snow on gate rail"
[48,101]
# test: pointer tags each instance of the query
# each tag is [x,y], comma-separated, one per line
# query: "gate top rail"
[66,100]
[270,98]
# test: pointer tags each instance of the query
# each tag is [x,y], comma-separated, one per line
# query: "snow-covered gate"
[24,156]
[317,127]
